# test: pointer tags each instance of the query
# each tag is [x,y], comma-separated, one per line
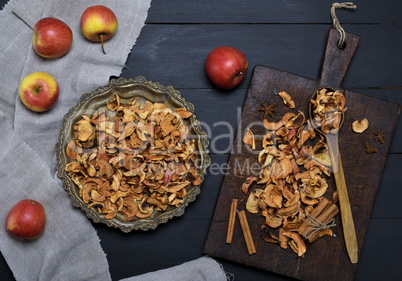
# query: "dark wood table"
[287,35]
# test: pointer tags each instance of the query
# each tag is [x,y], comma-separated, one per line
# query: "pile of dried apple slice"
[292,180]
[136,163]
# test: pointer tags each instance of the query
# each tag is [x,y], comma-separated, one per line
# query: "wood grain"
[295,48]
[336,61]
[326,256]
[270,11]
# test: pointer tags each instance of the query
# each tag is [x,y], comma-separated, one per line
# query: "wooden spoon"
[344,203]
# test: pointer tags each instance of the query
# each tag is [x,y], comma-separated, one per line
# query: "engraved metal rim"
[62,158]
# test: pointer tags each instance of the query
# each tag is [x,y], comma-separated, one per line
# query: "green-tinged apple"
[27,219]
[98,24]
[51,38]
[39,91]
[226,67]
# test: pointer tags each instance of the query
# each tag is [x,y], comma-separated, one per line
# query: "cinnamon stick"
[246,233]
[326,212]
[316,211]
[322,217]
[326,220]
[232,218]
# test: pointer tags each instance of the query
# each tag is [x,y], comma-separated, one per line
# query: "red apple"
[226,67]
[39,91]
[52,38]
[98,24]
[27,219]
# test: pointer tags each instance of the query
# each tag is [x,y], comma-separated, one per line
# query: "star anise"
[379,136]
[369,149]
[268,109]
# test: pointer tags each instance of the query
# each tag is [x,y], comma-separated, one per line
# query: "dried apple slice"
[249,139]
[253,201]
[287,99]
[360,126]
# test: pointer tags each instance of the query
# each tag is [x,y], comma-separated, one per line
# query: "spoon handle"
[344,203]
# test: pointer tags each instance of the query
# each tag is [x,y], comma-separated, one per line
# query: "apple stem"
[103,49]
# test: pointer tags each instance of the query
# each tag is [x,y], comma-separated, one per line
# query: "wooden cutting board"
[326,258]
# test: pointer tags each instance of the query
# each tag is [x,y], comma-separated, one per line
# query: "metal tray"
[127,89]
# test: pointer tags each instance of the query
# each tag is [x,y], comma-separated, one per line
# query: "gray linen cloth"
[69,249]
[202,269]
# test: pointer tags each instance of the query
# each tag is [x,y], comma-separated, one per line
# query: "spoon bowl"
[331,102]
